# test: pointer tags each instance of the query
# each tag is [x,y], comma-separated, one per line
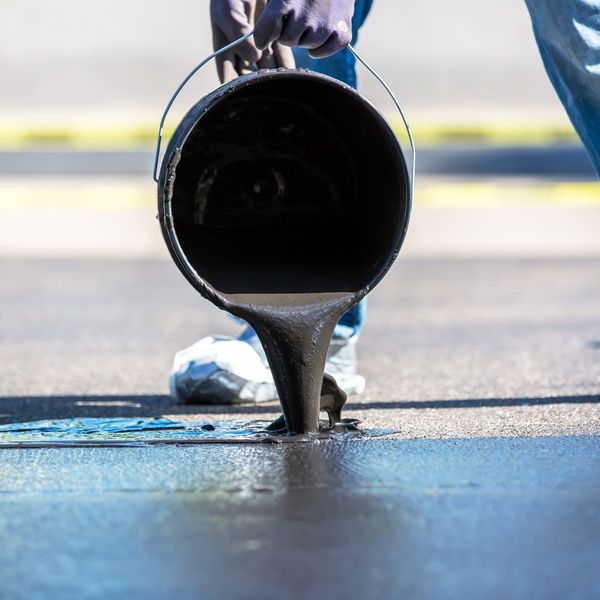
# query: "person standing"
[314,34]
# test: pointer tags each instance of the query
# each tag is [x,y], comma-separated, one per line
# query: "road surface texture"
[494,346]
[458,518]
[487,371]
[559,162]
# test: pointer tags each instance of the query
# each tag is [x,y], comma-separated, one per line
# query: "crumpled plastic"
[221,370]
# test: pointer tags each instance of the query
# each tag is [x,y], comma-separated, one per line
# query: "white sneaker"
[342,364]
[226,370]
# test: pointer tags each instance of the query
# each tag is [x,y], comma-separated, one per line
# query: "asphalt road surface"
[480,518]
[560,162]
[483,343]
[487,371]
[483,368]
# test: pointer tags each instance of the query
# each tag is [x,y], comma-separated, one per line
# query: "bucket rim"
[177,141]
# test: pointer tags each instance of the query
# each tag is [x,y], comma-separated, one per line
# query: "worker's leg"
[342,66]
[228,370]
[568,35]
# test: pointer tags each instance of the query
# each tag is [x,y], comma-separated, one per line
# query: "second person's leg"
[568,36]
[227,370]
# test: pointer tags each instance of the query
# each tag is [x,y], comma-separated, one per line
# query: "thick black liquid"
[295,332]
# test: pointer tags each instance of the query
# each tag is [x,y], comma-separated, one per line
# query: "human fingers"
[233,18]
[227,62]
[277,56]
[283,56]
[243,67]
[323,25]
[267,60]
[269,24]
[337,41]
[296,28]
[226,67]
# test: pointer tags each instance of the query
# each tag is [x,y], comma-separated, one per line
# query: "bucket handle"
[239,41]
[178,90]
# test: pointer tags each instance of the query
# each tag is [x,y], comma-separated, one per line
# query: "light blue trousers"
[568,36]
[342,66]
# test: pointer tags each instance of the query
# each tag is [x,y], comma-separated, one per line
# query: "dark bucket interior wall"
[289,185]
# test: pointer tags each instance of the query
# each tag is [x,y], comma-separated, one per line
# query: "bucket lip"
[184,129]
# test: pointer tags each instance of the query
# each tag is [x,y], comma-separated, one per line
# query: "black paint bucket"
[284,197]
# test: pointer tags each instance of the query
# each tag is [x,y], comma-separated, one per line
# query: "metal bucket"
[283,182]
[281,192]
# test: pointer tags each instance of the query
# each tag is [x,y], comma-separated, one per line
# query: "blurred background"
[501,173]
[117,62]
[83,87]
[486,327]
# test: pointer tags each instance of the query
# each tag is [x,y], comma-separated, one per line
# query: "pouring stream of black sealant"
[296,338]
[294,326]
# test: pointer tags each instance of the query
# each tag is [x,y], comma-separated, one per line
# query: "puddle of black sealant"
[131,432]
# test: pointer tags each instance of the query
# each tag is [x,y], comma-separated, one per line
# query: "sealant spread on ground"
[157,431]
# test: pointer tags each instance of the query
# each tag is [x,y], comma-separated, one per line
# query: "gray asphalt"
[483,518]
[506,334]
[487,371]
[568,161]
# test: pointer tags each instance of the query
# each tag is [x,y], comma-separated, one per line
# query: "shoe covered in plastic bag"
[221,370]
[226,370]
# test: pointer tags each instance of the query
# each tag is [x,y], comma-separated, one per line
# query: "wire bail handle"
[244,38]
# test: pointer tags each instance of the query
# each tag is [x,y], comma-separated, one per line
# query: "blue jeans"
[568,36]
[342,66]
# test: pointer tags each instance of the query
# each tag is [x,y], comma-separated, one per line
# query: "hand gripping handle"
[239,41]
[178,90]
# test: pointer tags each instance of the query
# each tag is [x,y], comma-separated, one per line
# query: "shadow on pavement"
[32,408]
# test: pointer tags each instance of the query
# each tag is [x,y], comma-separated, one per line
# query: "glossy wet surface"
[124,432]
[493,518]
[503,352]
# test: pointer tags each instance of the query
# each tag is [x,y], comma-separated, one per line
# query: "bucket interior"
[289,185]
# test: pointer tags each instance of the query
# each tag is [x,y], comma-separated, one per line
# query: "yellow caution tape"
[129,136]
[110,195]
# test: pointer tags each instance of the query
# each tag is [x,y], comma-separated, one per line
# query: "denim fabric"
[342,66]
[351,324]
[568,35]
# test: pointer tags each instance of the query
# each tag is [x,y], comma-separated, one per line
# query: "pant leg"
[568,36]
[342,66]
